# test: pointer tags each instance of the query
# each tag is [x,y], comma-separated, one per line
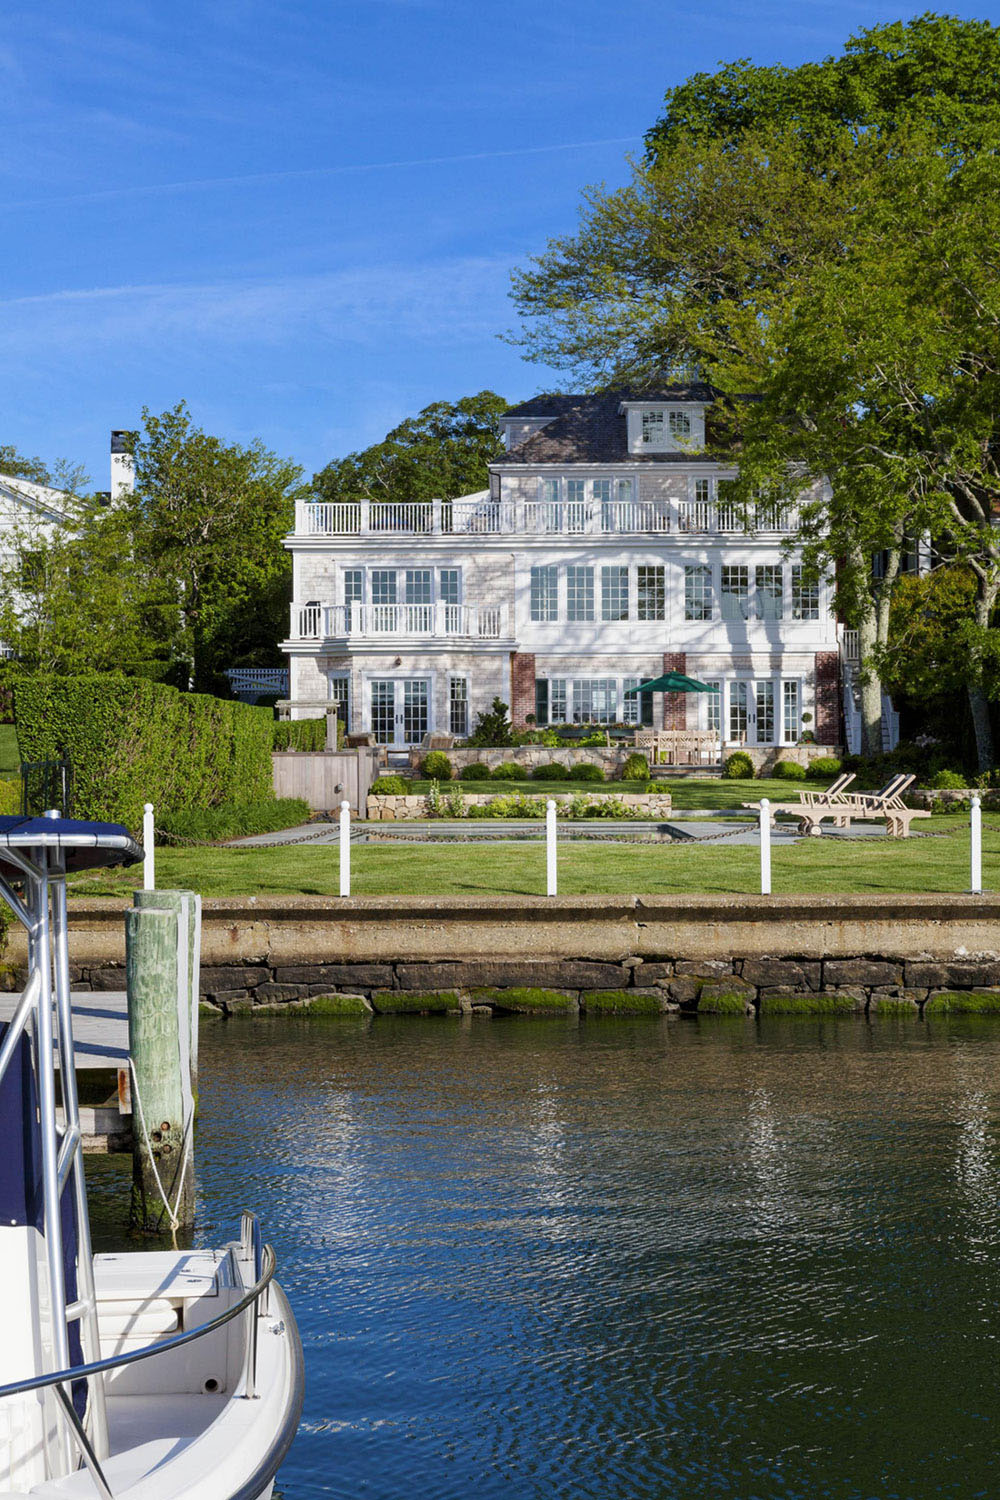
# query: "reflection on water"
[622,1259]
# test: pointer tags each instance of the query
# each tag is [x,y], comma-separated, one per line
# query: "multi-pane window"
[768,581]
[805,594]
[541,700]
[339,691]
[383,585]
[790,714]
[650,592]
[713,706]
[545,593]
[653,429]
[735,591]
[639,709]
[603,505]
[354,586]
[418,585]
[595,700]
[557,700]
[703,490]
[549,491]
[765,712]
[458,705]
[624,490]
[579,592]
[680,424]
[449,585]
[698,591]
[576,504]
[738,712]
[614,593]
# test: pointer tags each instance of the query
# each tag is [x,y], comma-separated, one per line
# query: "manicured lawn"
[811,867]
[686,791]
[10,759]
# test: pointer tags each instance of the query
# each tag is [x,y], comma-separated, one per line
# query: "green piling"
[188,905]
[157,979]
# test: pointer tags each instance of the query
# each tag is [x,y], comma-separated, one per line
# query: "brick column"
[827,718]
[675,704]
[522,687]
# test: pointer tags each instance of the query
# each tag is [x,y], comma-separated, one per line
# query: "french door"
[400,713]
[751,713]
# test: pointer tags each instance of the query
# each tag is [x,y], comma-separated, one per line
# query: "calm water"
[666,1259]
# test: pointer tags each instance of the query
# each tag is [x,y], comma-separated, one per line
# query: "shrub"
[301,734]
[550,770]
[738,767]
[493,726]
[10,795]
[585,771]
[507,770]
[436,766]
[636,768]
[132,741]
[790,770]
[389,786]
[477,770]
[233,821]
[823,768]
[949,781]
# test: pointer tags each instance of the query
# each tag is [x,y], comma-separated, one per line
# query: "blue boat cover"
[84,845]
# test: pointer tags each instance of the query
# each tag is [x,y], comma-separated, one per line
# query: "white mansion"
[603,553]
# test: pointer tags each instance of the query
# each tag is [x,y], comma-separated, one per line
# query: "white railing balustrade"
[314,622]
[483,516]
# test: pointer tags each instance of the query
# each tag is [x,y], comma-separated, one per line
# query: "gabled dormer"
[663,425]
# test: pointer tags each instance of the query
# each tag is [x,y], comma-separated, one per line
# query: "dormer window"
[653,429]
[680,424]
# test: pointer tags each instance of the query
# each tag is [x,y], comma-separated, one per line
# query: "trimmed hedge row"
[236,821]
[132,741]
[301,734]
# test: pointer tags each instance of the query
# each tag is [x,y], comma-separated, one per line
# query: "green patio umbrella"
[675,682]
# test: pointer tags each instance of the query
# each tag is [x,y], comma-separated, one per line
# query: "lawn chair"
[813,807]
[888,804]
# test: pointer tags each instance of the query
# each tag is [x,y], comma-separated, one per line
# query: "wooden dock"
[101,1051]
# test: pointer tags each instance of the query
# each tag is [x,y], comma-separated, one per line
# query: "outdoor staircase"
[852,705]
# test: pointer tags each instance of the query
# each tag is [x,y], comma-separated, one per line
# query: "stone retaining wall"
[780,954]
[388,809]
[612,758]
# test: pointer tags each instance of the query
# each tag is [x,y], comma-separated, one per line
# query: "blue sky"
[301,217]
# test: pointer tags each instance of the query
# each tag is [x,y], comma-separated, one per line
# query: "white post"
[765,847]
[976,822]
[149,853]
[550,848]
[345,848]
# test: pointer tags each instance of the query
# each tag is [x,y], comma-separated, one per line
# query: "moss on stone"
[401,1002]
[964,1002]
[724,1000]
[525,1000]
[892,1005]
[337,1005]
[207,1011]
[807,1005]
[621,1003]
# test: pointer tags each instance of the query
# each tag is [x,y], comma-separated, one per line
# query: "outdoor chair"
[813,807]
[888,804]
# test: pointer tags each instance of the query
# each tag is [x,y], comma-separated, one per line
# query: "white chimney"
[122,465]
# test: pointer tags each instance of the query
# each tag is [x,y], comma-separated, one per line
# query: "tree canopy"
[440,453]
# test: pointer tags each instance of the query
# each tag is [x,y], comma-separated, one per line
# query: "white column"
[976,829]
[345,848]
[551,879]
[149,853]
[765,847]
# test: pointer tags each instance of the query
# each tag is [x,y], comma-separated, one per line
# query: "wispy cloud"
[446,302]
[248,179]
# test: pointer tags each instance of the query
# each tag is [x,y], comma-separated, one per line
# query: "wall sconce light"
[398,662]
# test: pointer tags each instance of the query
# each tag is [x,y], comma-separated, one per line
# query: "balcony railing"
[482,516]
[478,622]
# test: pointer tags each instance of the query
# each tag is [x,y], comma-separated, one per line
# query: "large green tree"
[441,452]
[207,519]
[808,234]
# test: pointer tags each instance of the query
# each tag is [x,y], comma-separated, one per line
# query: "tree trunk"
[870,685]
[986,595]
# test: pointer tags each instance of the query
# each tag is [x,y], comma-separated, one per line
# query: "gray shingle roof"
[590,429]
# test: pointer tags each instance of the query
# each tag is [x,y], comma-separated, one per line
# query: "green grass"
[10,759]
[813,866]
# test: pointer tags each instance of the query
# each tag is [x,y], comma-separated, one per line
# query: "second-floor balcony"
[362,623]
[483,516]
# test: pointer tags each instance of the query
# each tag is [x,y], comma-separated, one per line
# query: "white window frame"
[550,601]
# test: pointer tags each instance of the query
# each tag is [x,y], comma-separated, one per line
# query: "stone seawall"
[779,954]
[383,808]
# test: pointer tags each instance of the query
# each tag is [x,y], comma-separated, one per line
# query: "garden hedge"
[302,734]
[132,741]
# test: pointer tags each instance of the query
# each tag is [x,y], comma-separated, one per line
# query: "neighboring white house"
[603,552]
